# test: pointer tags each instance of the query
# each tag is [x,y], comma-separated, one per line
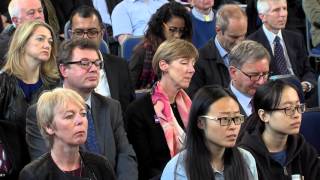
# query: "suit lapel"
[290,51]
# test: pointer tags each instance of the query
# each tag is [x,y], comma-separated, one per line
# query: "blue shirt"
[243,99]
[223,53]
[102,7]
[29,89]
[132,16]
[280,157]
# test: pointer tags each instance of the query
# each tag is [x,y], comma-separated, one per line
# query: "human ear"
[49,130]
[201,124]
[163,65]
[263,115]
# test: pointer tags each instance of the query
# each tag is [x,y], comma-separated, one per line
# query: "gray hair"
[247,51]
[226,12]
[263,5]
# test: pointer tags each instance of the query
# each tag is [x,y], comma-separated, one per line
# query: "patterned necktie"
[279,57]
[91,143]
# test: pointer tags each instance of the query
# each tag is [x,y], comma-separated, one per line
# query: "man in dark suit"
[212,66]
[115,81]
[249,69]
[295,61]
[79,66]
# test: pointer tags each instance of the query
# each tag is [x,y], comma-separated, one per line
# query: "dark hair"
[198,156]
[86,12]
[154,34]
[268,96]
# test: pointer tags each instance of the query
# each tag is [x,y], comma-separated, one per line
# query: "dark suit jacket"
[209,69]
[147,138]
[119,80]
[296,51]
[15,147]
[110,134]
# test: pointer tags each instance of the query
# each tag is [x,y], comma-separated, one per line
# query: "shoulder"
[39,166]
[250,162]
[99,99]
[144,101]
[208,51]
[256,35]
[113,59]
[175,167]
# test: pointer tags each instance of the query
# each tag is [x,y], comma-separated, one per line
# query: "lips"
[295,125]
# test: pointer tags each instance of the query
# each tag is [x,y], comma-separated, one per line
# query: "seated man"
[130,17]
[311,9]
[203,22]
[79,65]
[287,48]
[213,63]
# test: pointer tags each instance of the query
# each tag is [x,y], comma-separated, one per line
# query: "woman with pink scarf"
[157,121]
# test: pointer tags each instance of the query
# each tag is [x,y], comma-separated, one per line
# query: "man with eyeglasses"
[79,66]
[213,63]
[249,69]
[115,81]
[20,11]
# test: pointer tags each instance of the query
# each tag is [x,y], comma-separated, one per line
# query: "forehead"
[289,95]
[223,105]
[68,104]
[29,4]
[78,54]
[237,26]
[261,65]
[41,30]
[175,20]
[85,23]
[277,4]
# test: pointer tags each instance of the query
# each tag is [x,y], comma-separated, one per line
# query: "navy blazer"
[110,133]
[296,51]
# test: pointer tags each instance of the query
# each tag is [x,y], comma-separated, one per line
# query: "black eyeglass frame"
[86,63]
[257,77]
[289,111]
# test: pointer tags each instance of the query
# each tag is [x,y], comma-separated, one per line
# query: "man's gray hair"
[247,51]
[263,5]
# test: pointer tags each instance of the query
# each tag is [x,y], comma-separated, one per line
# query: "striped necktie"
[91,143]
[279,57]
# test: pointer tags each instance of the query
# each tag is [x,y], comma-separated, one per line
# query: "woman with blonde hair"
[30,68]
[157,121]
[61,117]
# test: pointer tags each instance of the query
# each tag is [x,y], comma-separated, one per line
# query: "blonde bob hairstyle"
[171,50]
[14,66]
[48,104]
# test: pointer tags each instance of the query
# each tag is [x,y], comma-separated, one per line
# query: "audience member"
[203,22]
[30,69]
[13,151]
[130,17]
[311,9]
[210,151]
[212,67]
[249,69]
[20,11]
[157,121]
[287,47]
[115,80]
[280,151]
[170,21]
[79,66]
[295,20]
[61,116]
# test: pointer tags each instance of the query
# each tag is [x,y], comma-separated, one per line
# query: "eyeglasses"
[226,121]
[91,33]
[86,63]
[289,111]
[256,77]
[175,29]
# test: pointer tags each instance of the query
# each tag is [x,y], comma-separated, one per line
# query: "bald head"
[24,10]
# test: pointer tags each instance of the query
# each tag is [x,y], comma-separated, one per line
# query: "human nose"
[79,119]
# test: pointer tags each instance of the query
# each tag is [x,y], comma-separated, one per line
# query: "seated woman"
[280,151]
[30,68]
[170,21]
[157,121]
[61,116]
[210,151]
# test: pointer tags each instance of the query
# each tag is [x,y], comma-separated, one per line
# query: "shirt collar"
[197,14]
[221,50]
[243,99]
[88,101]
[270,35]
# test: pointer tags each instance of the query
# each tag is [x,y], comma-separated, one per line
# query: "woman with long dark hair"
[170,21]
[214,124]
[280,151]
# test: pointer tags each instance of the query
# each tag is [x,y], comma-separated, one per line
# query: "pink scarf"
[174,134]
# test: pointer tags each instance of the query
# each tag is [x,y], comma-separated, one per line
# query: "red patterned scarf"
[174,134]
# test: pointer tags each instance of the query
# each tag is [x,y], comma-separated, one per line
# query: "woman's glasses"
[226,121]
[174,30]
[289,111]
